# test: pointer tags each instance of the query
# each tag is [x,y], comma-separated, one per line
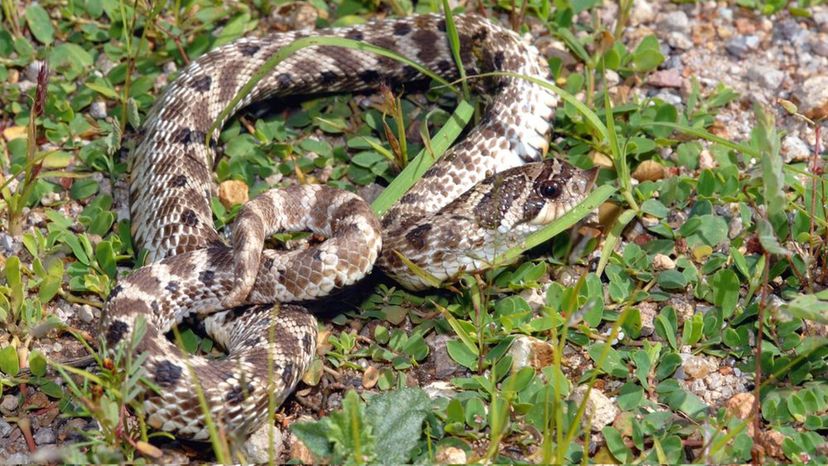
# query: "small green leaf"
[9,363]
[39,24]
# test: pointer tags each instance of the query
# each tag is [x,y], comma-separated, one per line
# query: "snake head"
[557,188]
[523,199]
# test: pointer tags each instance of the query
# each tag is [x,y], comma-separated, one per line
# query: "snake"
[486,193]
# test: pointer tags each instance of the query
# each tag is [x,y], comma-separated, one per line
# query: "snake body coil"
[486,193]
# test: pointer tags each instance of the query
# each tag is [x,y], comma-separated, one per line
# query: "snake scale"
[486,193]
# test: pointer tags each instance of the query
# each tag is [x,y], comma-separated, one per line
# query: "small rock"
[772,441]
[86,314]
[44,436]
[663,262]
[7,243]
[50,199]
[675,21]
[370,377]
[440,389]
[9,404]
[450,455]
[648,170]
[648,311]
[665,78]
[680,40]
[813,97]
[5,428]
[821,19]
[706,160]
[795,149]
[790,31]
[17,458]
[726,14]
[232,192]
[98,109]
[600,409]
[741,46]
[529,351]
[257,446]
[697,367]
[744,26]
[444,365]
[819,45]
[642,12]
[766,76]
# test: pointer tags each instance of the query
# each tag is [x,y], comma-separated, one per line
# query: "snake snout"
[558,189]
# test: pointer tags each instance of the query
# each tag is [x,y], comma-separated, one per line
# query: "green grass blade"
[425,159]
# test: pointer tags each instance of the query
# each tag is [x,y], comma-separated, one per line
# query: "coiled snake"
[486,193]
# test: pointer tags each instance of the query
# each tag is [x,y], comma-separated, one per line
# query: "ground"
[648,315]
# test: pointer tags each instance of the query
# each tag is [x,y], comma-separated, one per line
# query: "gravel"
[766,76]
[44,436]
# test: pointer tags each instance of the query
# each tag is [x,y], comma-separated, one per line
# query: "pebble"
[648,311]
[697,367]
[257,446]
[600,409]
[440,389]
[795,149]
[791,32]
[766,76]
[675,21]
[726,14]
[741,46]
[819,45]
[44,436]
[450,455]
[665,78]
[444,366]
[642,12]
[663,262]
[529,351]
[813,97]
[5,428]
[7,243]
[680,40]
[17,458]
[86,314]
[9,403]
[98,109]
[821,19]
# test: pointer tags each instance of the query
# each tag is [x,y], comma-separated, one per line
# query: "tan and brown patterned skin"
[486,193]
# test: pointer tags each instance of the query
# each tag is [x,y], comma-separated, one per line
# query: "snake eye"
[550,189]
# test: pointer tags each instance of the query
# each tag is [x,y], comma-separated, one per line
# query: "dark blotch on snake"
[354,34]
[402,28]
[189,218]
[417,236]
[186,136]
[201,83]
[167,374]
[498,59]
[178,181]
[116,332]
[284,79]
[288,372]
[370,76]
[207,277]
[247,49]
[307,343]
[328,77]
[115,292]
[172,286]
